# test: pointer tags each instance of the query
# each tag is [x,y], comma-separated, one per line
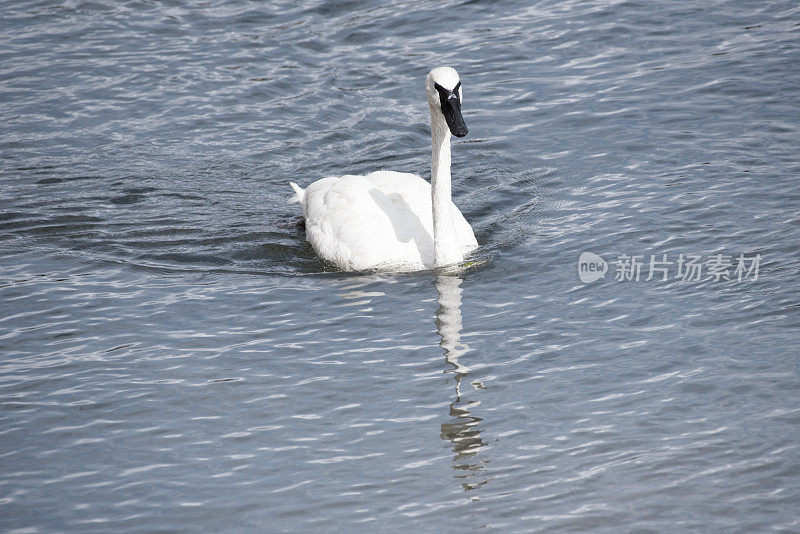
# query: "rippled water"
[175,358]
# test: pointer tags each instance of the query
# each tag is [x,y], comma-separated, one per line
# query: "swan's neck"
[445,242]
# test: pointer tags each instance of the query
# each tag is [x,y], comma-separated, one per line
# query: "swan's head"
[444,97]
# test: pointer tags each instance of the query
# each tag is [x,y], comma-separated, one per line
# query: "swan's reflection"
[462,430]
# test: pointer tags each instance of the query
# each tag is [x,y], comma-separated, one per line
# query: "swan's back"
[379,221]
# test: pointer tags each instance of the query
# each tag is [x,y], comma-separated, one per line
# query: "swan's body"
[392,220]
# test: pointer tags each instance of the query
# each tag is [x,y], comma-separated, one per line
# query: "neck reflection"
[462,430]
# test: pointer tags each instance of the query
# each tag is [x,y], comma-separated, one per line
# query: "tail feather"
[299,193]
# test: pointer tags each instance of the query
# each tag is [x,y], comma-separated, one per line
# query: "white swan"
[390,220]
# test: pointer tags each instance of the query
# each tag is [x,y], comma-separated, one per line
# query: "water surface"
[175,357]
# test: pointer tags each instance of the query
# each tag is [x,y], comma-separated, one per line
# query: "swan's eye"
[446,94]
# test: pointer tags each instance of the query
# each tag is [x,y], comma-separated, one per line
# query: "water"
[175,358]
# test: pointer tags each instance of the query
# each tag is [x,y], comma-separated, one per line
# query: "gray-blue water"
[175,358]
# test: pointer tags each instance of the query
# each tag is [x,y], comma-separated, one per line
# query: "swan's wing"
[406,188]
[417,193]
[362,222]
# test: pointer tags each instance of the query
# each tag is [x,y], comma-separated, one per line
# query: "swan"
[395,221]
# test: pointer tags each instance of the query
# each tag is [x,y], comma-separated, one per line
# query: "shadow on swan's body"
[392,220]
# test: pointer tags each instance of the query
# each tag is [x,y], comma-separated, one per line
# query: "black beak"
[451,109]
